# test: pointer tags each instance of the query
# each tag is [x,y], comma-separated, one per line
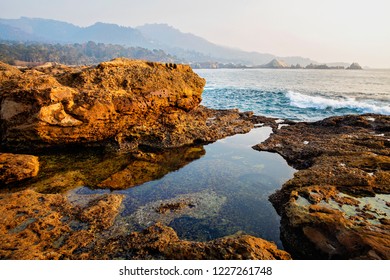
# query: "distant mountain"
[46,30]
[175,41]
[12,33]
[112,34]
[43,30]
[186,46]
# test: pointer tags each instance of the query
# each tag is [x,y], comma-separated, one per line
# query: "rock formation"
[337,205]
[275,64]
[14,168]
[354,66]
[162,242]
[125,103]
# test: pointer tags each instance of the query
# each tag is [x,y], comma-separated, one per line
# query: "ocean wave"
[318,102]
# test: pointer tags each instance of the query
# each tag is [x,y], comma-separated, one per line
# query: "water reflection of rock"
[96,169]
[149,166]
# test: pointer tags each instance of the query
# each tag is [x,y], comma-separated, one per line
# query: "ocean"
[298,94]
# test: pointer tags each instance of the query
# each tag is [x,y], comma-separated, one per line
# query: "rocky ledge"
[337,205]
[121,103]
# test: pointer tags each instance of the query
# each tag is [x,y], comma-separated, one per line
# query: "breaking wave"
[304,101]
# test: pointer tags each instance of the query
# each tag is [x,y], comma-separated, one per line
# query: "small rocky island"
[149,114]
[354,66]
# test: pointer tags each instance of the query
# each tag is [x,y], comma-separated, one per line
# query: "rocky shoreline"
[143,120]
[337,206]
[131,114]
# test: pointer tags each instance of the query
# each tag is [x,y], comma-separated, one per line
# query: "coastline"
[53,228]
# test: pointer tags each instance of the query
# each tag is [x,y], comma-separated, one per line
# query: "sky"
[325,31]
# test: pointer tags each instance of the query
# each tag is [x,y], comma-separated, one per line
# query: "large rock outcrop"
[123,102]
[337,205]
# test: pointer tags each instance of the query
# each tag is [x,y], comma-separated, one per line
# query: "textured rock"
[131,106]
[336,206]
[51,226]
[39,226]
[162,242]
[14,168]
[123,102]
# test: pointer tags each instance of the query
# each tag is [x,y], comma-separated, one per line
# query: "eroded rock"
[162,242]
[124,103]
[336,206]
[50,226]
[15,167]
[47,226]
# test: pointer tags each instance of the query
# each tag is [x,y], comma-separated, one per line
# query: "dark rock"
[355,66]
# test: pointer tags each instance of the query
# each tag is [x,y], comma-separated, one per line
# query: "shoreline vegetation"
[336,206]
[30,54]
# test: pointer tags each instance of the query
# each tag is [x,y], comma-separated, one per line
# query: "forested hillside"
[75,54]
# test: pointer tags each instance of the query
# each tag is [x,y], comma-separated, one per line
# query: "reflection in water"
[97,169]
[223,192]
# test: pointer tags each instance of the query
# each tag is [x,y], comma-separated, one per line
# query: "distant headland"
[275,64]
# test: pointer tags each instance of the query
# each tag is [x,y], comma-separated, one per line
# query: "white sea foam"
[318,102]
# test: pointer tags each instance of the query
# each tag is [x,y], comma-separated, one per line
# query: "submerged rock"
[336,206]
[124,103]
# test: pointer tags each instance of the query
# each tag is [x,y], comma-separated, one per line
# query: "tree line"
[75,54]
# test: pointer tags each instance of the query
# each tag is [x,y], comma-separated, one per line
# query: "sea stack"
[354,66]
[275,64]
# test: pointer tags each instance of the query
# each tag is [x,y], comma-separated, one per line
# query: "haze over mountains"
[185,46]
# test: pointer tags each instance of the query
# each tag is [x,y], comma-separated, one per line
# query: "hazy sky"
[326,30]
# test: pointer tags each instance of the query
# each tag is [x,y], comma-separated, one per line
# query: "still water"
[223,192]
